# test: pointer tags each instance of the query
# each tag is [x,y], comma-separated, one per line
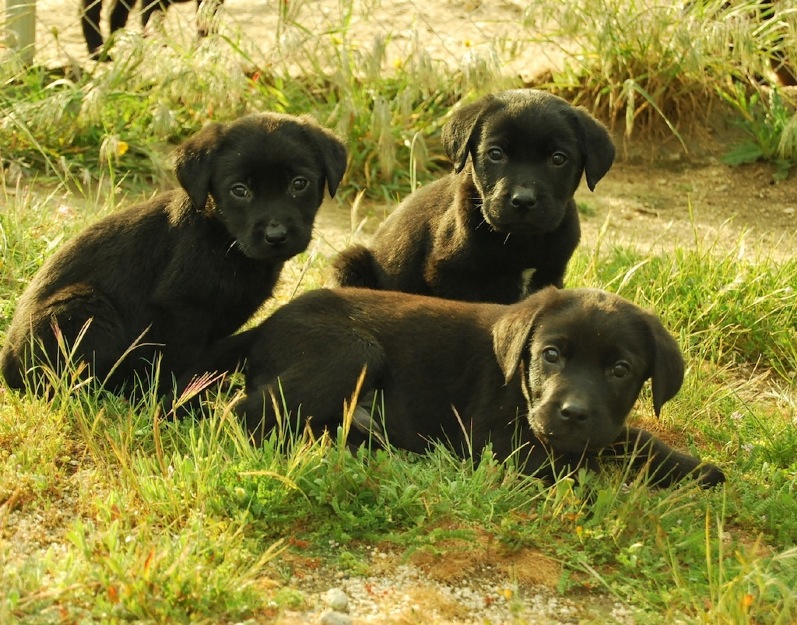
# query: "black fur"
[120,11]
[552,376]
[177,274]
[504,213]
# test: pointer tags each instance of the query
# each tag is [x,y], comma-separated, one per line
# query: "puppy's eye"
[495,154]
[550,354]
[241,191]
[621,369]
[558,158]
[299,184]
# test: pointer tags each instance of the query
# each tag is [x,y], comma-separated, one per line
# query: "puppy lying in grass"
[153,286]
[504,223]
[551,377]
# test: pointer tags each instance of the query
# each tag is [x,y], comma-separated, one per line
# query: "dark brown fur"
[505,210]
[552,376]
[177,274]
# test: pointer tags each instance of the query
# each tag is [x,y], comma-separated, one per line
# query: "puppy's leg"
[90,23]
[75,334]
[314,386]
[119,14]
[223,357]
[665,465]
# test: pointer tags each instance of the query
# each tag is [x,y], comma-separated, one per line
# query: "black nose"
[574,411]
[276,233]
[524,198]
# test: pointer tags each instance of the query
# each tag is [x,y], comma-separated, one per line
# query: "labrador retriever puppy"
[120,11]
[551,377]
[505,213]
[166,279]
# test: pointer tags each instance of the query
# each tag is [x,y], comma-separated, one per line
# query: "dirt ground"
[654,196]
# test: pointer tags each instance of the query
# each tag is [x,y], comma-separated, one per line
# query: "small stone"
[330,617]
[789,210]
[337,600]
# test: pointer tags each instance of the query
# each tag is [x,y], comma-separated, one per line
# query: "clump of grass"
[667,69]
[641,66]
[771,125]
[727,310]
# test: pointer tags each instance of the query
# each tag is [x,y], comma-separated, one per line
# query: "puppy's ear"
[333,155]
[667,371]
[512,332]
[596,147]
[458,132]
[193,161]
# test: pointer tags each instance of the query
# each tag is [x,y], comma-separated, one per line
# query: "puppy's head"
[265,175]
[528,150]
[583,356]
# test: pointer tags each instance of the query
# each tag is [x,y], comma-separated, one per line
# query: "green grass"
[145,519]
[108,513]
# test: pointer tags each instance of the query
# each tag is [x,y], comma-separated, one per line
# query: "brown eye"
[495,154]
[240,191]
[299,184]
[558,158]
[550,354]
[621,369]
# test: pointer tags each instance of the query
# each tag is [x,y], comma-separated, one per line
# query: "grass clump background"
[108,513]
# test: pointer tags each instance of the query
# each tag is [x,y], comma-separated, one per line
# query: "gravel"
[406,594]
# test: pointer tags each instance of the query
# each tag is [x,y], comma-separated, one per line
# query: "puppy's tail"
[357,267]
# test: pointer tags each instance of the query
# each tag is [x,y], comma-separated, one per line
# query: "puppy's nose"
[574,411]
[276,233]
[524,197]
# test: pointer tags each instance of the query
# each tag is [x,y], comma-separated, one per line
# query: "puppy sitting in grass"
[158,284]
[505,213]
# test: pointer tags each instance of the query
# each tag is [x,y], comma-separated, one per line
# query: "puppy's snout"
[276,232]
[574,412]
[524,197]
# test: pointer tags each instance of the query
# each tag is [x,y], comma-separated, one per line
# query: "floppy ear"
[512,332]
[332,151]
[457,133]
[667,371]
[192,163]
[596,147]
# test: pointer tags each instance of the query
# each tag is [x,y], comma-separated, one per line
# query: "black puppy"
[552,376]
[91,10]
[501,215]
[173,276]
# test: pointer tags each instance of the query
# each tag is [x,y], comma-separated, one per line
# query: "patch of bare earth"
[458,581]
